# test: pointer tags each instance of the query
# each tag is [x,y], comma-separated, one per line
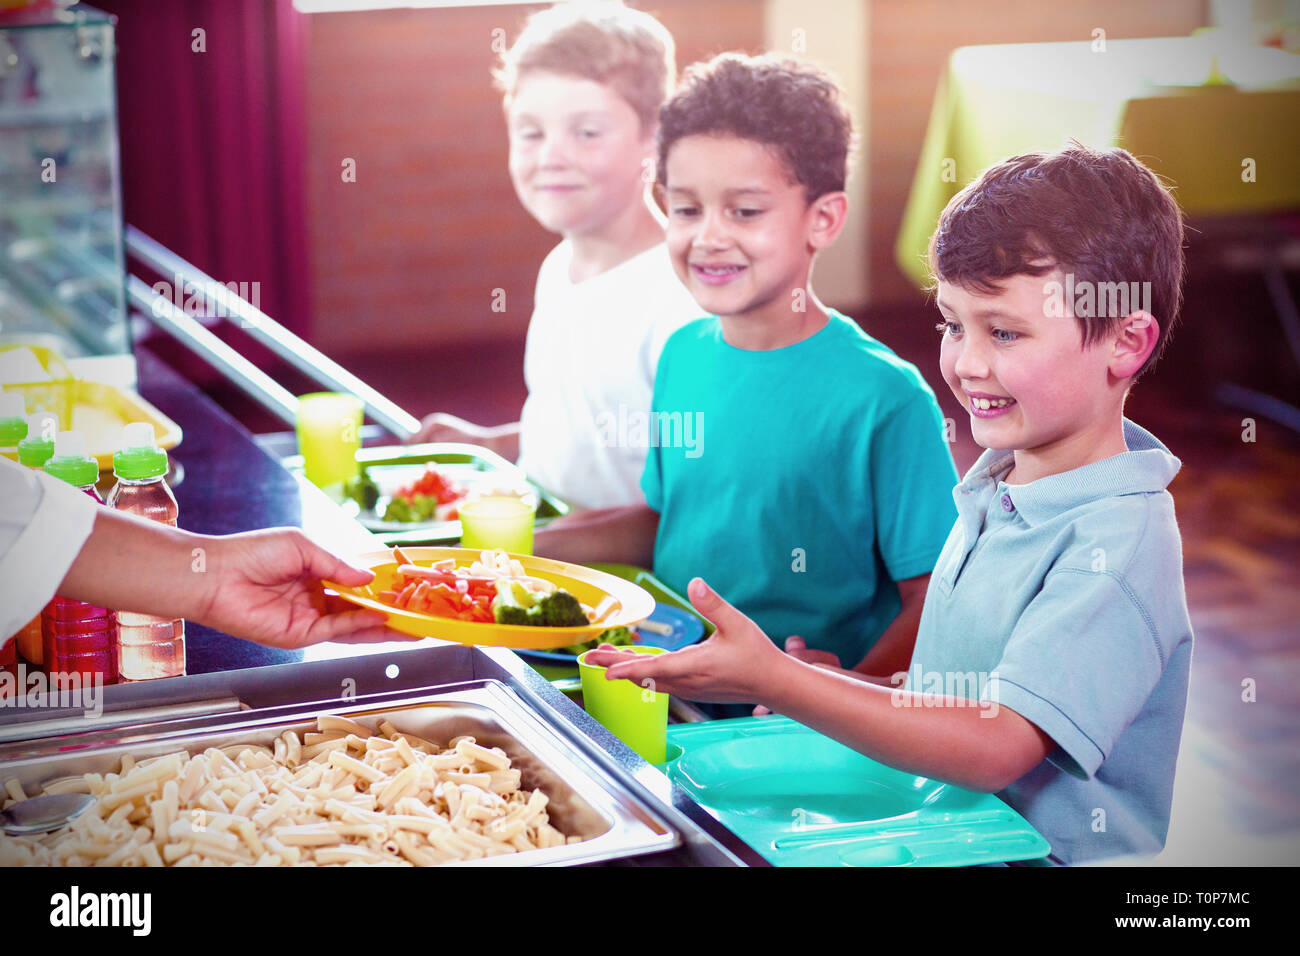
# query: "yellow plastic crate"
[97,410]
[58,395]
[100,411]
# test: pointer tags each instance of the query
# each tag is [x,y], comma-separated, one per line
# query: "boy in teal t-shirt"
[817,478]
[795,459]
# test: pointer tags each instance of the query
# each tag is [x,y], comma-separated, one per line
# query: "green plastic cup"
[636,715]
[329,434]
[494,522]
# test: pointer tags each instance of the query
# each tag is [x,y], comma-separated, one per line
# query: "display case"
[62,275]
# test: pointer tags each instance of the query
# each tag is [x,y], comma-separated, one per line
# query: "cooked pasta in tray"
[464,775]
[341,794]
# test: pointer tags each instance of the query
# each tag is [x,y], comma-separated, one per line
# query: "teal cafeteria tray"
[800,798]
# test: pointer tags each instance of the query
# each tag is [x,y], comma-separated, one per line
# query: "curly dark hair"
[790,106]
[1098,215]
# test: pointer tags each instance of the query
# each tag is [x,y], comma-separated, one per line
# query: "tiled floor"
[1237,796]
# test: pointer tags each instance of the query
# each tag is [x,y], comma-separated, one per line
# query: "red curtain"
[213,133]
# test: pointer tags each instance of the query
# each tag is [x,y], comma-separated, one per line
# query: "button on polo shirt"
[1063,600]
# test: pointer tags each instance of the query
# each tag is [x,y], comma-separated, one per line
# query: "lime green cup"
[329,434]
[494,522]
[636,715]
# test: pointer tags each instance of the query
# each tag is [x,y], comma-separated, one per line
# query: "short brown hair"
[609,43]
[1096,213]
[785,104]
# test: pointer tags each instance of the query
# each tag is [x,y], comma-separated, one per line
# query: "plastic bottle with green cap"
[77,638]
[13,429]
[33,452]
[148,647]
[38,447]
[13,423]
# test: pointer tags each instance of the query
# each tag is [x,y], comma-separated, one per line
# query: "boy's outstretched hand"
[735,664]
[798,648]
[265,586]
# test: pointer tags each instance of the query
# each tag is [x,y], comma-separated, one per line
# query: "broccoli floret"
[561,609]
[514,604]
[618,636]
[399,509]
[419,508]
[362,490]
[511,614]
[508,606]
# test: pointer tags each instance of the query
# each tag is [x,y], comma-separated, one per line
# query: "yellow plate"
[589,586]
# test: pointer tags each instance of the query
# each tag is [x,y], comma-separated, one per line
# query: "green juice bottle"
[33,452]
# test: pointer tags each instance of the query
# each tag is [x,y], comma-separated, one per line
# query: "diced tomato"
[433,484]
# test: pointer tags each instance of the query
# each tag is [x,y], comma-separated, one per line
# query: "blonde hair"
[601,40]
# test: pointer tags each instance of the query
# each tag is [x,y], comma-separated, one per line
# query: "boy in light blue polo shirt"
[1072,569]
[1052,659]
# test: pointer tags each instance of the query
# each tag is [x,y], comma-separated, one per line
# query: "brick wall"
[411,253]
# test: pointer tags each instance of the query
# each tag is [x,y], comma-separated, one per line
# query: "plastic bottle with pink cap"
[33,452]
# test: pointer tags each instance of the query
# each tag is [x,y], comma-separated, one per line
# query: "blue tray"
[800,798]
[670,608]
[687,629]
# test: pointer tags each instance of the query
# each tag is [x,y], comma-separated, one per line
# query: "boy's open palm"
[732,665]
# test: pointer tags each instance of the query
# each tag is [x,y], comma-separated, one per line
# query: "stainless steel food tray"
[350,679]
[584,801]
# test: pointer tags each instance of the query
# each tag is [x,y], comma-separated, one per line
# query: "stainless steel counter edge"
[369,678]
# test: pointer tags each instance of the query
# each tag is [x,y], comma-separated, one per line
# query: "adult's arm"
[264,586]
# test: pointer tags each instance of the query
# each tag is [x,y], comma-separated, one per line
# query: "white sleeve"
[43,524]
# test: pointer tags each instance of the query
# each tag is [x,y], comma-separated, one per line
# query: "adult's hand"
[265,586]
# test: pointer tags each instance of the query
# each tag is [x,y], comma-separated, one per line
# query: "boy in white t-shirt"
[583,85]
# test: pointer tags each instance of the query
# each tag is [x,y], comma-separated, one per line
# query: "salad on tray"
[433,496]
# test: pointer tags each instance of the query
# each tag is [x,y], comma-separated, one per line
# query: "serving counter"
[224,483]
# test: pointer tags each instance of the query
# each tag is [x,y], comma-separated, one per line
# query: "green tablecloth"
[1148,96]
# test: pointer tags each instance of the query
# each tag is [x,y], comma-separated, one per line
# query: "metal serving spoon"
[43,814]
